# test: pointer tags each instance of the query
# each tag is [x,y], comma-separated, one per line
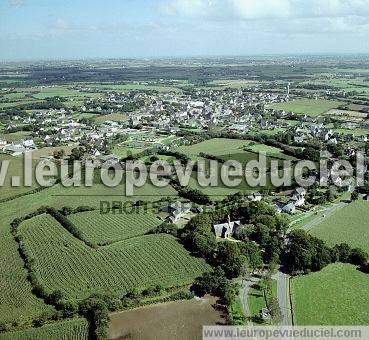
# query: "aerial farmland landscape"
[159,187]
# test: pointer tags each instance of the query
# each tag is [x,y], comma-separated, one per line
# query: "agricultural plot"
[172,320]
[124,151]
[221,190]
[348,224]
[15,136]
[115,117]
[346,113]
[18,303]
[67,263]
[136,86]
[346,85]
[15,168]
[46,92]
[307,106]
[337,295]
[215,146]
[76,329]
[102,229]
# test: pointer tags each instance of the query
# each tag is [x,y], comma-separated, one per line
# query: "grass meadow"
[337,295]
[307,106]
[349,225]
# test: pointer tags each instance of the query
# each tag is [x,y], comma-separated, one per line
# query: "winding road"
[282,279]
[244,293]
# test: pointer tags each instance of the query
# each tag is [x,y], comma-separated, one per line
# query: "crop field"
[115,117]
[76,329]
[136,86]
[346,113]
[18,302]
[67,263]
[46,92]
[348,224]
[49,151]
[215,146]
[307,106]
[15,169]
[337,295]
[346,85]
[101,229]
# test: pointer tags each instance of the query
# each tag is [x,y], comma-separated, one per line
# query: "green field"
[115,117]
[15,136]
[136,86]
[307,106]
[215,146]
[256,299]
[15,168]
[124,151]
[337,295]
[349,224]
[101,229]
[67,263]
[18,303]
[59,91]
[76,329]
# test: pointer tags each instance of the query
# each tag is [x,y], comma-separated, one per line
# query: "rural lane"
[327,212]
[244,292]
[283,297]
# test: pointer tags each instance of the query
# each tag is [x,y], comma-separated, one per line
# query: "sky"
[76,29]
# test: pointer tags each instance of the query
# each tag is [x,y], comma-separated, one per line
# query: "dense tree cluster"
[261,236]
[305,253]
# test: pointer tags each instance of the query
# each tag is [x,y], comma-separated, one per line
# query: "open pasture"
[307,106]
[336,295]
[348,224]
[115,117]
[215,146]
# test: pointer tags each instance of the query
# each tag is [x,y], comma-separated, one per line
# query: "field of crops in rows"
[101,229]
[76,329]
[17,302]
[66,263]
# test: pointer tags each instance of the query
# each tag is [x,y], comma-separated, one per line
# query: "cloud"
[16,3]
[262,9]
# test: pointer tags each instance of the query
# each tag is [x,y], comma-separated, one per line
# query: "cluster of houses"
[296,200]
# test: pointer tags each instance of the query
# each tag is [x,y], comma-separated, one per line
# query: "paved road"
[319,218]
[283,297]
[244,291]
